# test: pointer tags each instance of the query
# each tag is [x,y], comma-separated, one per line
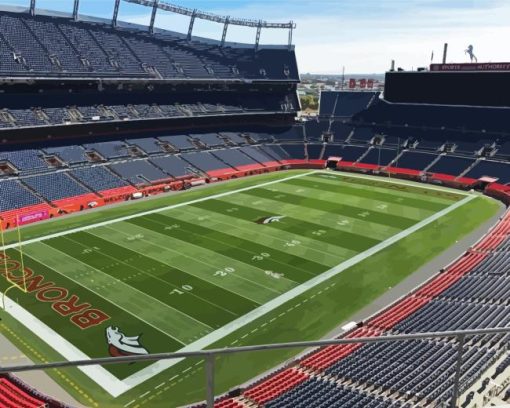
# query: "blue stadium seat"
[139,172]
[55,186]
[15,196]
[98,178]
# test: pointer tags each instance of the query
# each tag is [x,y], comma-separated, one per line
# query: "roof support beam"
[76,9]
[225,29]
[115,13]
[291,29]
[257,37]
[191,24]
[153,16]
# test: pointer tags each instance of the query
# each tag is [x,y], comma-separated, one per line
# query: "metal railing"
[210,355]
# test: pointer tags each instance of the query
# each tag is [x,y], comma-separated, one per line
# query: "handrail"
[210,355]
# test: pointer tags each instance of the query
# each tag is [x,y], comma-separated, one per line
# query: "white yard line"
[231,327]
[116,387]
[169,249]
[66,349]
[127,287]
[154,211]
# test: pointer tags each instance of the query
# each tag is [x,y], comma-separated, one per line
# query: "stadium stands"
[414,160]
[14,195]
[340,104]
[139,172]
[489,168]
[379,156]
[451,165]
[97,178]
[468,294]
[56,46]
[173,165]
[209,84]
[55,186]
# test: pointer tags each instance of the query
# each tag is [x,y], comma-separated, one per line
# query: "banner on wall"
[33,217]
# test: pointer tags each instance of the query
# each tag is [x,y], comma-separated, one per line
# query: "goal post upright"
[22,287]
[22,260]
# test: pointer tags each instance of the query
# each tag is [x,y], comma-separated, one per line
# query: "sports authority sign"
[33,217]
[489,66]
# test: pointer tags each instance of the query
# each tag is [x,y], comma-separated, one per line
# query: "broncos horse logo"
[121,345]
[270,220]
[472,56]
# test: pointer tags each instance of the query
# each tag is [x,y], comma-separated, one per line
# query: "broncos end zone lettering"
[80,314]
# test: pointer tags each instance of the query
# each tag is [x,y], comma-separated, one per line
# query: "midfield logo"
[121,345]
[269,220]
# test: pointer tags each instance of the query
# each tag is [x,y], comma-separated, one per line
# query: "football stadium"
[175,234]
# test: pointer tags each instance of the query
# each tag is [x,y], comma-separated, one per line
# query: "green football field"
[279,257]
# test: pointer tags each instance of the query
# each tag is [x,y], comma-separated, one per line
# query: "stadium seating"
[451,165]
[54,45]
[69,154]
[139,172]
[234,157]
[12,396]
[14,195]
[204,161]
[296,151]
[180,142]
[148,145]
[339,104]
[55,186]
[411,159]
[346,152]
[489,168]
[470,293]
[379,156]
[173,165]
[98,178]
[24,160]
[109,150]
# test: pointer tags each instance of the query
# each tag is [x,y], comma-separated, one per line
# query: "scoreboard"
[449,86]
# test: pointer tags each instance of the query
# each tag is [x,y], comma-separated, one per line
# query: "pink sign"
[33,217]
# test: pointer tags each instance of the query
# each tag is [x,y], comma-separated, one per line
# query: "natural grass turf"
[147,273]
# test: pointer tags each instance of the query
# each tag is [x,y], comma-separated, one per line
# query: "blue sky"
[362,35]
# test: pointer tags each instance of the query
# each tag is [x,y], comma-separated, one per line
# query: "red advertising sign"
[352,83]
[370,83]
[362,83]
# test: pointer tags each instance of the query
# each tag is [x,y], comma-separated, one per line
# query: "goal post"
[22,286]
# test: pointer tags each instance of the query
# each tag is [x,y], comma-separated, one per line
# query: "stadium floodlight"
[203,15]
